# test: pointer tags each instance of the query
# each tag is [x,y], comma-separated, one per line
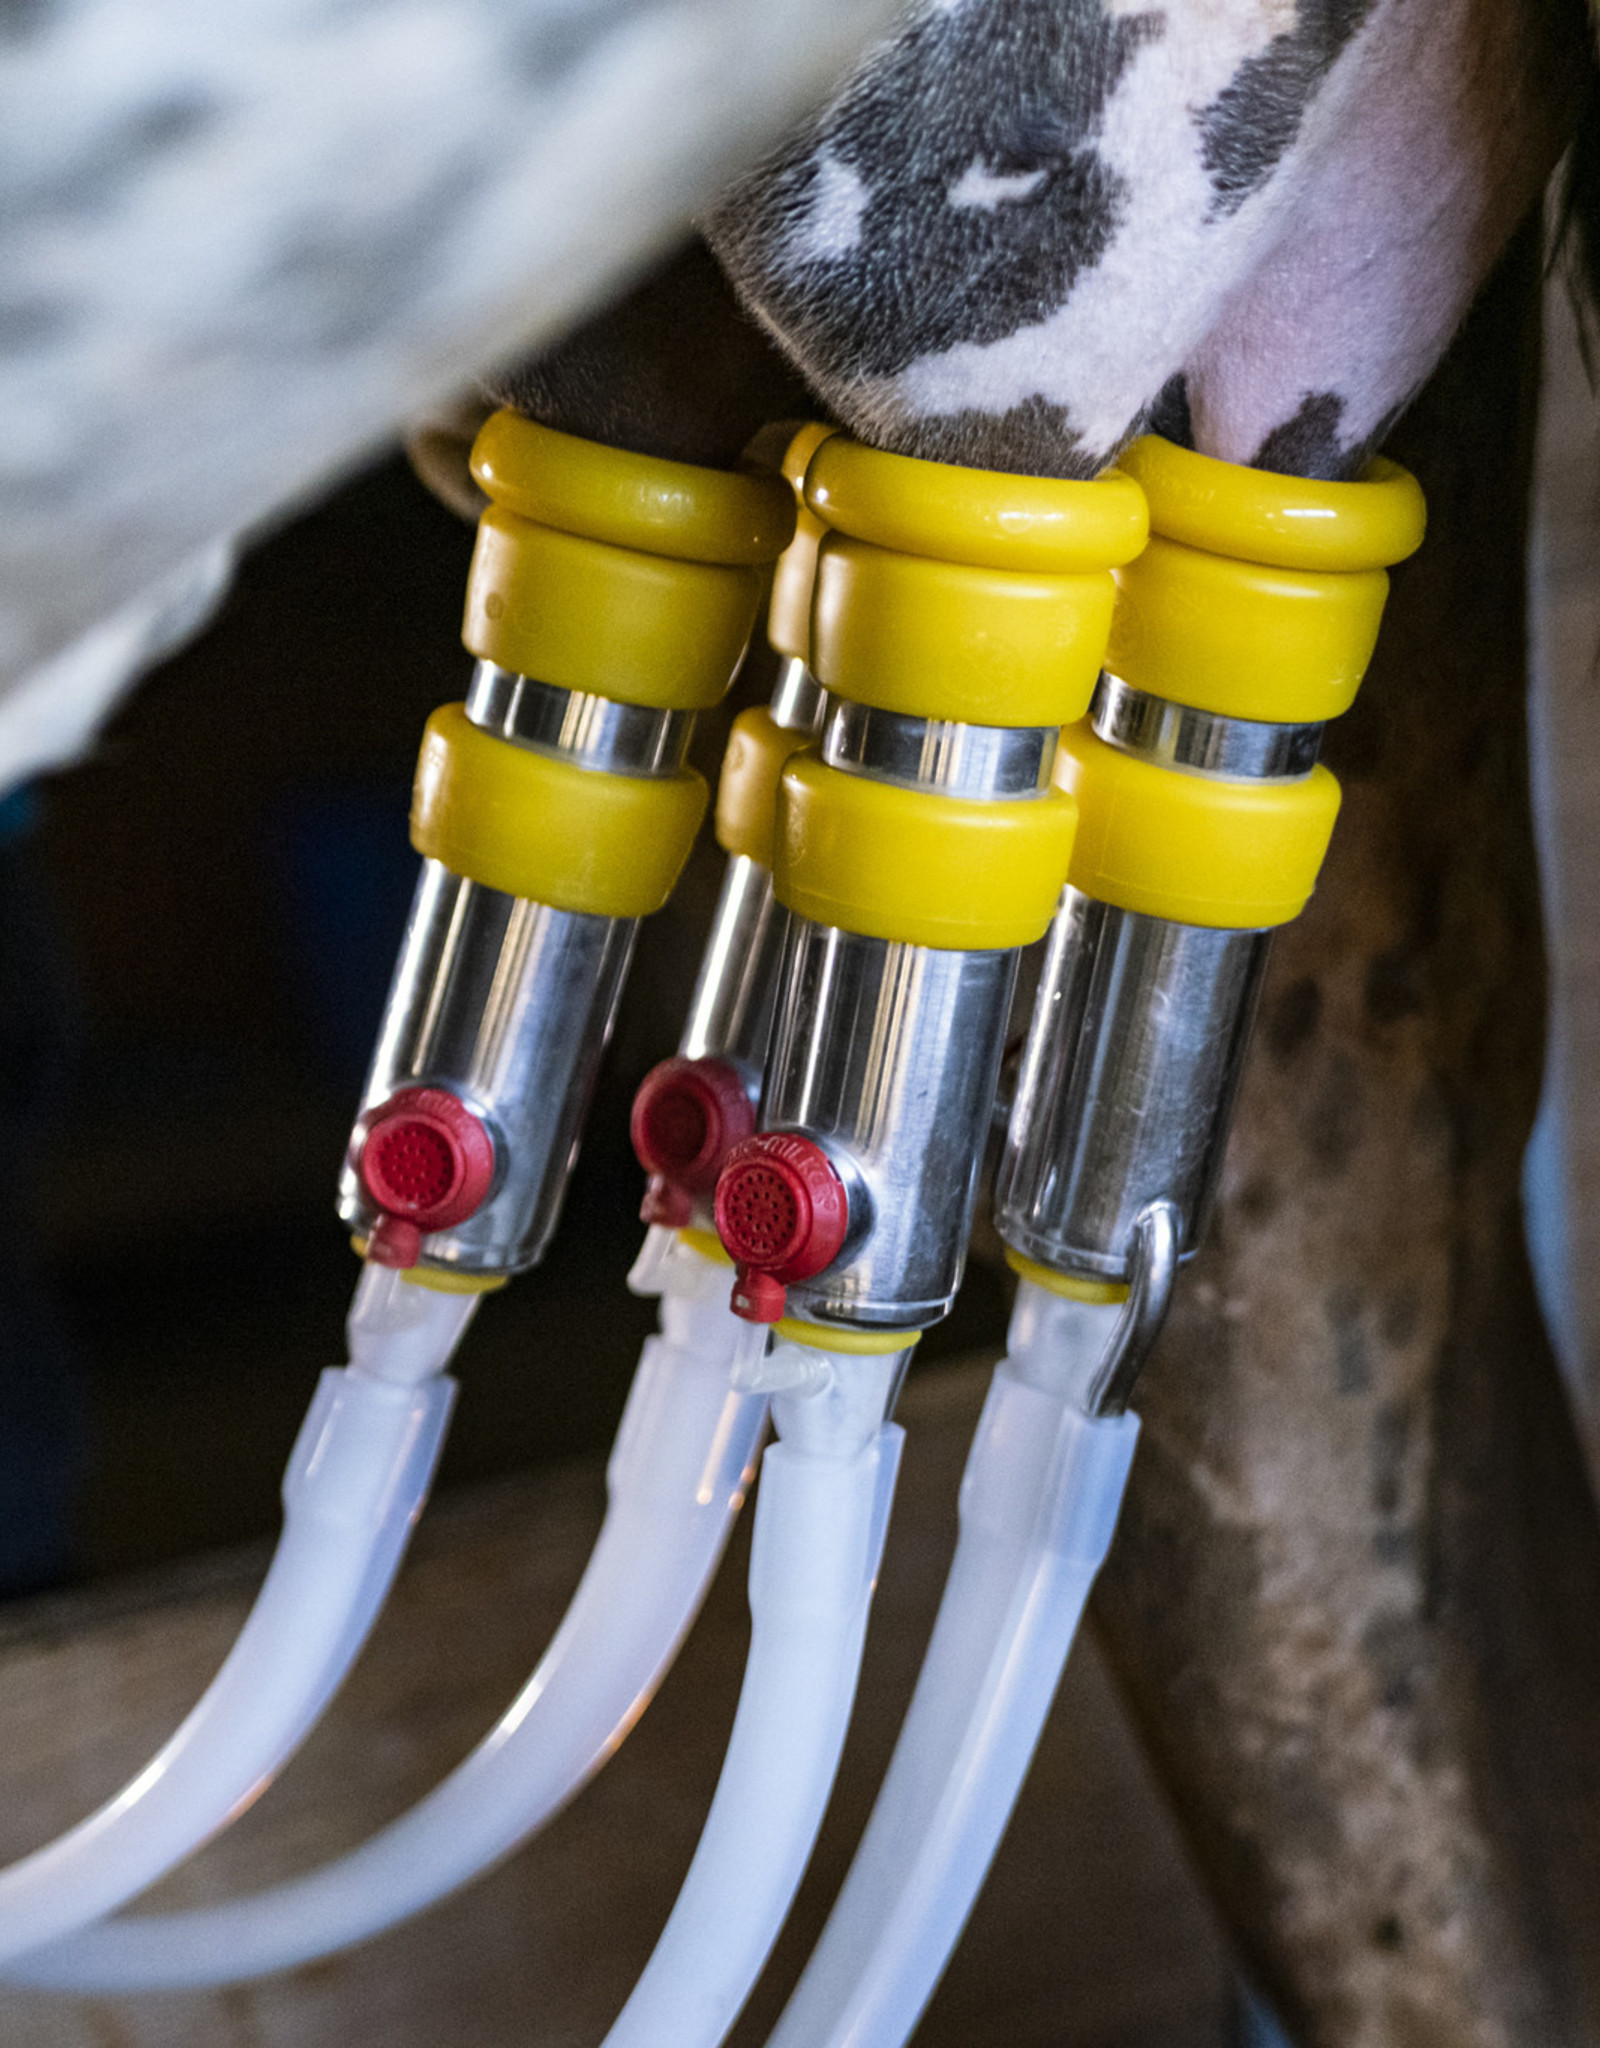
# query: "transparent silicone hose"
[821,1514]
[676,1479]
[355,1483]
[1039,1503]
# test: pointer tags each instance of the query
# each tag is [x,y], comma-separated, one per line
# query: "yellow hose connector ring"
[1256,515]
[916,865]
[747,792]
[1197,849]
[964,594]
[1070,1286]
[988,518]
[860,1341]
[535,826]
[440,1279]
[1260,595]
[678,509]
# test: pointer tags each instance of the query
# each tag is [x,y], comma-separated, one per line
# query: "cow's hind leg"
[1356,1595]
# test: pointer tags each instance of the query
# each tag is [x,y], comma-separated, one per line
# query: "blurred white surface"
[239,245]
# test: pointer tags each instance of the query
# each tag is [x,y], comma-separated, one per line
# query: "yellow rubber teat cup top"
[678,509]
[1288,522]
[619,575]
[964,594]
[1260,595]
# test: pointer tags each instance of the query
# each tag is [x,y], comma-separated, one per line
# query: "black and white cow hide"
[1028,229]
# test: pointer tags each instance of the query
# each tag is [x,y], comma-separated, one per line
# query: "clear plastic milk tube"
[355,1483]
[821,1515]
[677,1476]
[1039,1502]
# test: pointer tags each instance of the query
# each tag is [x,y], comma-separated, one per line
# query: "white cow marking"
[981,187]
[833,226]
[1131,321]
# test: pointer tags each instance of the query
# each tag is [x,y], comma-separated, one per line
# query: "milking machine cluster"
[1009,712]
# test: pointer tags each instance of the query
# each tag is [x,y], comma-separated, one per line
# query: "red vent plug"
[425,1162]
[687,1117]
[782,1215]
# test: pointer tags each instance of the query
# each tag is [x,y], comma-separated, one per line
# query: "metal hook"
[1154,1268]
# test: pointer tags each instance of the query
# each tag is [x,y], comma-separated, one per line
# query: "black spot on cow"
[1254,119]
[1014,87]
[334,284]
[1388,1934]
[1307,444]
[1168,413]
[1331,1118]
[1391,1430]
[558,40]
[1035,438]
[166,123]
[1401,1318]
[1395,987]
[673,369]
[99,176]
[31,324]
[1292,1019]
[1257,1201]
[1352,1361]
[1396,1653]
[21,20]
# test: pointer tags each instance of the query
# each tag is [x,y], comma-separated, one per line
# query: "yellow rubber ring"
[1237,856]
[747,791]
[854,1341]
[789,614]
[1286,645]
[441,1279]
[1287,522]
[945,640]
[634,501]
[1070,1286]
[587,616]
[907,864]
[538,827]
[985,518]
[707,1244]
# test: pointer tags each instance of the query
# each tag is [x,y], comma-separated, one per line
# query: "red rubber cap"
[425,1160]
[687,1117]
[394,1242]
[781,1208]
[757,1296]
[666,1204]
